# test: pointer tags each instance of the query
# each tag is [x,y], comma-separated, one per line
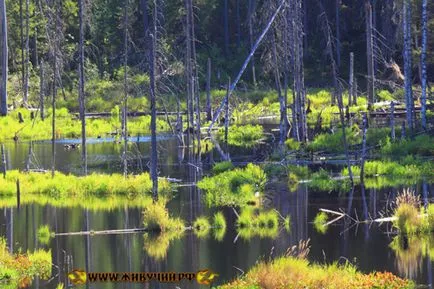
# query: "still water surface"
[365,246]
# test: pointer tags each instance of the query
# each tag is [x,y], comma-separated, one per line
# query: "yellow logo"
[205,277]
[77,277]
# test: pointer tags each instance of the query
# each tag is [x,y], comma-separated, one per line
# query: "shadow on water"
[366,246]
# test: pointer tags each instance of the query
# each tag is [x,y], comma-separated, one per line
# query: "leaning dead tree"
[4,59]
[246,62]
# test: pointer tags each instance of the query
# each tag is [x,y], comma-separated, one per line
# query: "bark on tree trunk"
[208,92]
[370,53]
[363,157]
[252,4]
[338,33]
[392,121]
[423,63]
[4,60]
[351,81]
[81,83]
[27,55]
[152,66]
[42,90]
[408,64]
[125,98]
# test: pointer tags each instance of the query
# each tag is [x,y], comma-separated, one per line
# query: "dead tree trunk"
[189,70]
[3,158]
[351,81]
[282,127]
[252,4]
[27,56]
[363,157]
[227,114]
[152,69]
[370,53]
[338,33]
[208,92]
[42,90]
[392,121]
[408,64]
[4,60]
[125,98]
[81,83]
[423,62]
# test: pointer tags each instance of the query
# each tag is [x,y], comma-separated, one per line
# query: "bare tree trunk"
[338,33]
[4,60]
[423,62]
[392,121]
[53,107]
[4,168]
[227,114]
[408,64]
[246,62]
[23,58]
[252,4]
[363,157]
[125,98]
[208,92]
[42,90]
[189,70]
[351,81]
[355,92]
[27,56]
[282,127]
[81,83]
[152,86]
[370,53]
[344,137]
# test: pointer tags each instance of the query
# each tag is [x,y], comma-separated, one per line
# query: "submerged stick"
[112,232]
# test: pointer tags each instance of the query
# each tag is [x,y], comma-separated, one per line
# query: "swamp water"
[367,246]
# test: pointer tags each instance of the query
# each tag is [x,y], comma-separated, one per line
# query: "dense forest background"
[224,32]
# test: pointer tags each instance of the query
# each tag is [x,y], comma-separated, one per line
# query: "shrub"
[222,167]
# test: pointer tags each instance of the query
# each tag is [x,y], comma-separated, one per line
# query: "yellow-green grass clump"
[239,187]
[242,135]
[18,270]
[66,186]
[295,273]
[156,245]
[410,218]
[156,218]
[201,227]
[319,222]
[44,234]
[252,223]
[92,203]
[67,126]
[219,226]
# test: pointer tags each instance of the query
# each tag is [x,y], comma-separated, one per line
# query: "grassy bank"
[239,186]
[68,126]
[69,189]
[18,270]
[294,273]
